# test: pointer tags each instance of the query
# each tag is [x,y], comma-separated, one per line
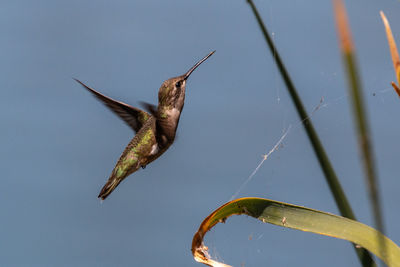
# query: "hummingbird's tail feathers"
[111,184]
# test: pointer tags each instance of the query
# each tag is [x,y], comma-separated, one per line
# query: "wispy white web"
[265,157]
[320,105]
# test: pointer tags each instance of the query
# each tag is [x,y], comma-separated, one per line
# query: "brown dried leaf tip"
[393,51]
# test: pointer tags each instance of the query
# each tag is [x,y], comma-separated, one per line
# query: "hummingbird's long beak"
[187,74]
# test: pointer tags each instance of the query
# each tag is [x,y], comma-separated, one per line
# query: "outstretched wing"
[134,117]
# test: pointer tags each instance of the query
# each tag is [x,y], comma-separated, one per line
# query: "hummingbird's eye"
[178,84]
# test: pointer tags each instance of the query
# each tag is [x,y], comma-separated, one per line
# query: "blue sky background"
[59,144]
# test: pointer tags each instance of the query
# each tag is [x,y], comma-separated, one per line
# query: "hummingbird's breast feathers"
[167,120]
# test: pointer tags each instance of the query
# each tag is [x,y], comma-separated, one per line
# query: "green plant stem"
[330,175]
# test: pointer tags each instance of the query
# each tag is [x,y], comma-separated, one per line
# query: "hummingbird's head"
[172,91]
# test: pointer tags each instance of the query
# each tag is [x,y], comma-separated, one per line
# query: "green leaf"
[299,218]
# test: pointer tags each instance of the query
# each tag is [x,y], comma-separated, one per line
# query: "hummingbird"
[155,128]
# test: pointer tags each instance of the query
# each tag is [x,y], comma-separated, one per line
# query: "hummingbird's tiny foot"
[143,167]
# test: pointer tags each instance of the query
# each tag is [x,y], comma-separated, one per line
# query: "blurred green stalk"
[363,137]
[360,117]
[330,175]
